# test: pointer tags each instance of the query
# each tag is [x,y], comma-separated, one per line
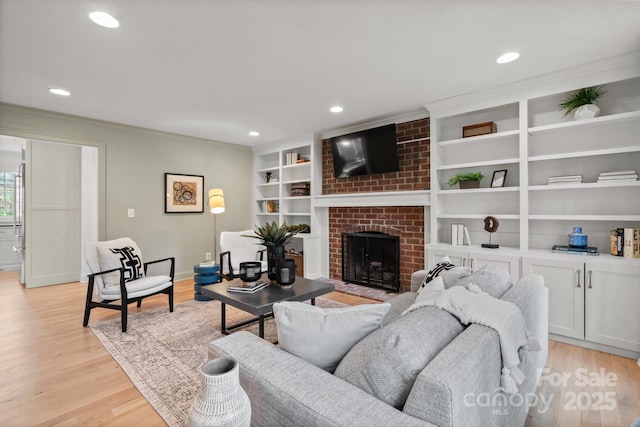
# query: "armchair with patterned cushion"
[117,272]
[236,247]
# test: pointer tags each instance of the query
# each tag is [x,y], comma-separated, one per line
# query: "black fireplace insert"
[371,259]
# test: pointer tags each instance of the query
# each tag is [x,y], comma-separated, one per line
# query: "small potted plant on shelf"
[582,103]
[466,180]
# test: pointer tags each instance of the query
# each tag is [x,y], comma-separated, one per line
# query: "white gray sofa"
[462,371]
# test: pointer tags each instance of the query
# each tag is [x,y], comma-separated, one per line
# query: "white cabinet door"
[511,263]
[613,304]
[565,281]
[458,257]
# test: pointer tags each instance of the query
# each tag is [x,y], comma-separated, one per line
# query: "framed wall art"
[183,193]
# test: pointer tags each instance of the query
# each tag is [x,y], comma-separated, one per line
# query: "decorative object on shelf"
[582,103]
[631,247]
[479,129]
[250,271]
[587,250]
[268,177]
[466,180]
[300,189]
[618,176]
[285,272]
[221,401]
[565,179]
[491,225]
[499,178]
[300,228]
[578,239]
[274,237]
[183,193]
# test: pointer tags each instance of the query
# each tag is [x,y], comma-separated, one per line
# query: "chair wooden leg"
[170,299]
[123,314]
[139,302]
[87,305]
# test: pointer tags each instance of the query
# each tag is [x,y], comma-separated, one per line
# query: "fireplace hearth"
[371,259]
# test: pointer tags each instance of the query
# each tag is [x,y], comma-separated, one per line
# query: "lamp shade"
[216,200]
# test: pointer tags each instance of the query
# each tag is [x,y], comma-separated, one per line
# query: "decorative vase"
[274,253]
[587,111]
[578,239]
[286,272]
[469,184]
[221,401]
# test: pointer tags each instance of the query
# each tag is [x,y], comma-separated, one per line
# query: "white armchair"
[235,248]
[118,273]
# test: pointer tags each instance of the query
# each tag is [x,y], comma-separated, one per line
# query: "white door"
[565,281]
[52,213]
[612,304]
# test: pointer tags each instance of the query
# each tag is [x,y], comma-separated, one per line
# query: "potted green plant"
[582,103]
[466,180]
[274,237]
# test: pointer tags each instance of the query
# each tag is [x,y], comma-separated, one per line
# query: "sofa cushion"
[322,336]
[386,363]
[489,278]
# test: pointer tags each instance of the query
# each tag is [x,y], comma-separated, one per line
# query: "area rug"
[361,291]
[162,352]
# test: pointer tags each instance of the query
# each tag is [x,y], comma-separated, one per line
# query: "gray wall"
[135,161]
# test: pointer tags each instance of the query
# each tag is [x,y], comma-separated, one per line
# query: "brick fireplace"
[406,222]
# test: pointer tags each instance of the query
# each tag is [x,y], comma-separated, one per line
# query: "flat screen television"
[368,152]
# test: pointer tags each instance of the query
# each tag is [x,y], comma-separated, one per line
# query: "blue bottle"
[578,239]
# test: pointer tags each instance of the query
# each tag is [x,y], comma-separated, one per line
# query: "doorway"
[60,210]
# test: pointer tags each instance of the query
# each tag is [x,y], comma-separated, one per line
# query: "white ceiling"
[218,69]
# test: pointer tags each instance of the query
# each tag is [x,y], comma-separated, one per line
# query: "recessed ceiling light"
[58,91]
[104,19]
[507,57]
[336,109]
[254,133]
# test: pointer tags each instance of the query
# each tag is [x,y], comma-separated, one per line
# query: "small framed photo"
[499,177]
[183,193]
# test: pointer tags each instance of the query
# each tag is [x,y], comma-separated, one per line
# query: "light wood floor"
[54,372]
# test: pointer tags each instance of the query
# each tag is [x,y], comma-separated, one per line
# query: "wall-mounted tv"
[368,152]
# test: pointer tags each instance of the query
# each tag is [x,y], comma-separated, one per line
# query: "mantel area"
[391,198]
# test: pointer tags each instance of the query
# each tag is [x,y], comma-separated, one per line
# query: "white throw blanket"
[474,306]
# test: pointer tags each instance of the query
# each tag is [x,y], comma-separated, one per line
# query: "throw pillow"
[386,362]
[323,336]
[128,258]
[437,269]
[428,296]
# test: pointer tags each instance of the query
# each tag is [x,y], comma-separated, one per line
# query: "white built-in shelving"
[274,200]
[534,142]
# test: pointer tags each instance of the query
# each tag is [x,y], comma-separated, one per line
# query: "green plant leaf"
[584,96]
[466,176]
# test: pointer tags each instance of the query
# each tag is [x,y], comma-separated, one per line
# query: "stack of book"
[562,249]
[618,176]
[292,158]
[248,287]
[625,242]
[565,179]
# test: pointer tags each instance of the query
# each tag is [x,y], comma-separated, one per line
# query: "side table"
[204,275]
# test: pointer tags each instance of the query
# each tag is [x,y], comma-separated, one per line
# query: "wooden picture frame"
[183,193]
[499,178]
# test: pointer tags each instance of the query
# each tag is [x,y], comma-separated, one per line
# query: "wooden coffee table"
[260,304]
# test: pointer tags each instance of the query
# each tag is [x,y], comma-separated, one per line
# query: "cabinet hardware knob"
[590,271]
[579,273]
